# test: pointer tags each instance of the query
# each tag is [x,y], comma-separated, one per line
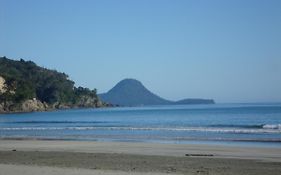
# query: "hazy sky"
[229,50]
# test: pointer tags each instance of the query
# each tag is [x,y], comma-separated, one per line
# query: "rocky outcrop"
[2,110]
[86,101]
[33,105]
[83,102]
[6,107]
[2,85]
[25,106]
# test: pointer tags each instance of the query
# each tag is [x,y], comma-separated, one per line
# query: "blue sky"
[226,50]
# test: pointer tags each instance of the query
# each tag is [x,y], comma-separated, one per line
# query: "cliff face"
[2,85]
[25,106]
[87,102]
[33,105]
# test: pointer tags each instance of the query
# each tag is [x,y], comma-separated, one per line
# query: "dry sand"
[76,157]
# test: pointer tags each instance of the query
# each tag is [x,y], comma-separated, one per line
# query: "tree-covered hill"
[24,80]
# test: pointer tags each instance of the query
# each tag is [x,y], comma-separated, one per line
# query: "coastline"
[55,109]
[139,158]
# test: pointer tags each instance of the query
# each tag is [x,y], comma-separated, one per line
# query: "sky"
[227,50]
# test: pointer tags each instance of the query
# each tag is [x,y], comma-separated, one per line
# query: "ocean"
[229,124]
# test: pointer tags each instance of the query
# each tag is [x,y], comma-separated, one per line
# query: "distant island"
[131,92]
[26,87]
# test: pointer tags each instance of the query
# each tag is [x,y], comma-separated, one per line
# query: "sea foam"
[265,129]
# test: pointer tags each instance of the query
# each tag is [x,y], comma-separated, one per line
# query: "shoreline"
[136,158]
[55,109]
[224,143]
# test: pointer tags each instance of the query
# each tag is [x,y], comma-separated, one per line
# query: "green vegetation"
[25,80]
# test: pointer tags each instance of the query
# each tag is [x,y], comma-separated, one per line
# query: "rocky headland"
[26,87]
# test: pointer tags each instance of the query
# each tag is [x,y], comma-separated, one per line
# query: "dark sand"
[104,162]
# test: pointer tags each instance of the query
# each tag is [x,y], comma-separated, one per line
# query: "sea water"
[248,124]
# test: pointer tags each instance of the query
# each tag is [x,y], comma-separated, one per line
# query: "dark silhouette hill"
[131,92]
[194,101]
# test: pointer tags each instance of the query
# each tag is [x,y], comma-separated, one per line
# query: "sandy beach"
[106,158]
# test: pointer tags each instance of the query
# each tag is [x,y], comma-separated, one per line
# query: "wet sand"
[66,157]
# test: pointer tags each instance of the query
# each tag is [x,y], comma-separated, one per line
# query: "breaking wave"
[261,129]
[261,126]
[57,122]
[269,126]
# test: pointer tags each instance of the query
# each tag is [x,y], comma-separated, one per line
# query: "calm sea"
[253,124]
